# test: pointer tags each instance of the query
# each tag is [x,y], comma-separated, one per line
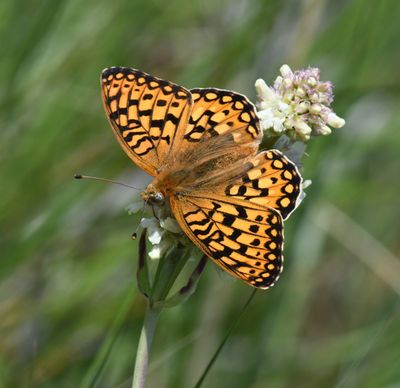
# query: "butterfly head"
[152,195]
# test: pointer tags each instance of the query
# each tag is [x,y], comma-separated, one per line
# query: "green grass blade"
[222,344]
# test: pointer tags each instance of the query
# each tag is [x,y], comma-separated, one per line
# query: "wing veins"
[228,203]
[176,131]
[216,223]
[141,124]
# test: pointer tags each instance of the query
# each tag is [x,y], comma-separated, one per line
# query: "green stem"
[168,270]
[144,346]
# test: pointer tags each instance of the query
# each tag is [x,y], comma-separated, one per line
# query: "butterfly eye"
[157,198]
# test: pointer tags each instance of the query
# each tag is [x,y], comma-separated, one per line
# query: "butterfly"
[201,147]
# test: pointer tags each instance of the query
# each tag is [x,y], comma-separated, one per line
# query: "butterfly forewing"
[222,133]
[146,113]
[243,238]
[219,112]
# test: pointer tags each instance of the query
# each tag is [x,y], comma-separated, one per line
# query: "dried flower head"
[298,104]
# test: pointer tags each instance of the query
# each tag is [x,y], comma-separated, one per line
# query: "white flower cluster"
[298,105]
[162,230]
[162,234]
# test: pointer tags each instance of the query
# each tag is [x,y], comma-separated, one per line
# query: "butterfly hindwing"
[243,238]
[272,180]
[146,113]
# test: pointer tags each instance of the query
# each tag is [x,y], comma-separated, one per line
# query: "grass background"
[67,261]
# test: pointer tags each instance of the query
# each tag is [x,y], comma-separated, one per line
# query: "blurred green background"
[67,261]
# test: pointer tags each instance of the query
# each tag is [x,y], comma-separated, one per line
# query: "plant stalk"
[168,270]
[144,346]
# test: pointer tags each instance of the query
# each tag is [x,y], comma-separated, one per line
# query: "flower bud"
[312,81]
[335,121]
[264,92]
[300,92]
[302,129]
[324,130]
[286,71]
[315,109]
[303,107]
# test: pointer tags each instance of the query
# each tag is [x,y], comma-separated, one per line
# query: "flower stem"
[144,346]
[168,269]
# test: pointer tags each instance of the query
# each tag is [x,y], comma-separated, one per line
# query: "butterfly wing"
[146,113]
[218,112]
[156,121]
[271,180]
[239,225]
[223,132]
[243,238]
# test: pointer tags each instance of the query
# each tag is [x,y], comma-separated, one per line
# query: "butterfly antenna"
[79,176]
[134,234]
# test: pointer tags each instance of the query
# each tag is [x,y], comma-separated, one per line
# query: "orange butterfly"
[201,148]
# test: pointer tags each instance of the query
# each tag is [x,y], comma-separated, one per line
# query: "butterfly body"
[201,147]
